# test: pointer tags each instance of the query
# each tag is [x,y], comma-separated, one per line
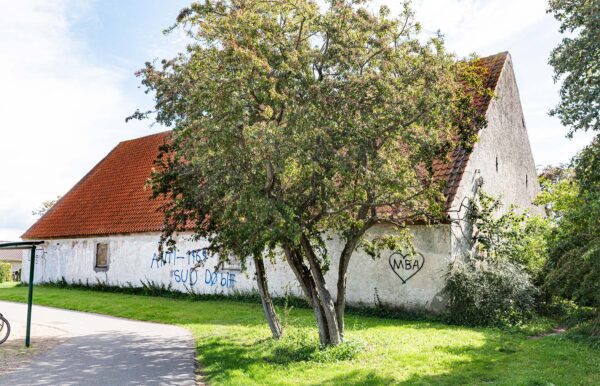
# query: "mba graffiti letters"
[406,266]
[186,268]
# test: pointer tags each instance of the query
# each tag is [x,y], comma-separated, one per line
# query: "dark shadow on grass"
[227,356]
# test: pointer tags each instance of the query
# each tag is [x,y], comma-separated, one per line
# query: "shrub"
[302,345]
[508,235]
[572,199]
[489,293]
[5,272]
[494,285]
[588,332]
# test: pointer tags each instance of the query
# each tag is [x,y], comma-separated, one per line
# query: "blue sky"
[67,76]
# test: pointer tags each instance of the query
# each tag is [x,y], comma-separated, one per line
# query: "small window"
[526,180]
[496,163]
[102,255]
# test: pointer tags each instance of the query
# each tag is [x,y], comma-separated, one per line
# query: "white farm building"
[106,228]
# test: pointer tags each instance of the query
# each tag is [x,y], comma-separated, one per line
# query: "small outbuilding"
[14,257]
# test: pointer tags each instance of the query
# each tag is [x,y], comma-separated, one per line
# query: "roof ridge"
[145,136]
[111,199]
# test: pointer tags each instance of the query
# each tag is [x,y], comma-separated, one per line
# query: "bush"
[572,199]
[5,272]
[588,332]
[509,235]
[494,285]
[302,345]
[489,293]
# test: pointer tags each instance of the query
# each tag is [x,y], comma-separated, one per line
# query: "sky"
[67,82]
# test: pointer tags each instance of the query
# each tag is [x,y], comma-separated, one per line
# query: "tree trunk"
[322,291]
[351,243]
[302,273]
[340,302]
[265,297]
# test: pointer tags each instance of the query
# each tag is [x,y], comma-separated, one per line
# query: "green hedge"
[5,272]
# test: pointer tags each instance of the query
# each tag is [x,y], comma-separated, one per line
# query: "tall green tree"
[576,62]
[573,198]
[295,122]
[572,195]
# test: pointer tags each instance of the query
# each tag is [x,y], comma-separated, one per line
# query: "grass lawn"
[234,348]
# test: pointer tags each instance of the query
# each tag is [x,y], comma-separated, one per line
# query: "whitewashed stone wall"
[133,259]
[501,159]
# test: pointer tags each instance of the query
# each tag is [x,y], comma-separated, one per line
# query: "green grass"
[234,348]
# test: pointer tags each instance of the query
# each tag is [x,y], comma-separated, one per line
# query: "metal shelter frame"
[31,245]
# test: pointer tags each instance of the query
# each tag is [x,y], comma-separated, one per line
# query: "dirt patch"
[554,331]
[14,354]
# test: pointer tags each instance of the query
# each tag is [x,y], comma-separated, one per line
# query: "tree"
[295,124]
[576,62]
[514,236]
[46,206]
[573,194]
[573,198]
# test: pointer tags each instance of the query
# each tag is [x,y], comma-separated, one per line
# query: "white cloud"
[476,25]
[59,112]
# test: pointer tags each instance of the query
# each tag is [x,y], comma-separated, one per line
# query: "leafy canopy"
[573,196]
[576,62]
[290,118]
[507,235]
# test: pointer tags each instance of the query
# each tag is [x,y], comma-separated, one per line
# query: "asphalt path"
[99,350]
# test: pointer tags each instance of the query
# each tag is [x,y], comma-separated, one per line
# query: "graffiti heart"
[406,266]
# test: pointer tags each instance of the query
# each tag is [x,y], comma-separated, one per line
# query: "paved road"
[100,350]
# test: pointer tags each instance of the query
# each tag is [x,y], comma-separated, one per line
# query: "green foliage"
[573,196]
[291,119]
[287,303]
[489,293]
[152,288]
[5,272]
[508,235]
[588,332]
[301,344]
[494,286]
[294,120]
[575,63]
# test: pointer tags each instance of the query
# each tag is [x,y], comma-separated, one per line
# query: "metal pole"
[30,296]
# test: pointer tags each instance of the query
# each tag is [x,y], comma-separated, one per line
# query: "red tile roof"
[452,170]
[112,198]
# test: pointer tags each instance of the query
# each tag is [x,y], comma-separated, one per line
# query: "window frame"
[98,267]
